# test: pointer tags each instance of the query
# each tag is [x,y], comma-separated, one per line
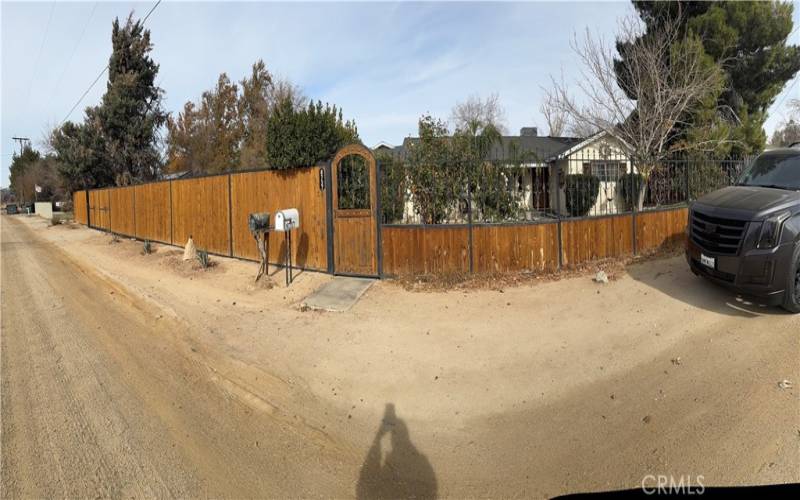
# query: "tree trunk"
[642,192]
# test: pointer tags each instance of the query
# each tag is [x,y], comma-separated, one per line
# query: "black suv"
[747,237]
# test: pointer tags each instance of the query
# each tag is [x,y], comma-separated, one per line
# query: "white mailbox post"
[286,220]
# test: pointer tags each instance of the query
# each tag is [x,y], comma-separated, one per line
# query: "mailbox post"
[286,220]
[258,223]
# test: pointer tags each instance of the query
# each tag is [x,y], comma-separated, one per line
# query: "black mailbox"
[258,222]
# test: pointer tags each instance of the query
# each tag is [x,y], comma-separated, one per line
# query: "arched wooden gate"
[355,211]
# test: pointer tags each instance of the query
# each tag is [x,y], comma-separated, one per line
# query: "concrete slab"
[339,294]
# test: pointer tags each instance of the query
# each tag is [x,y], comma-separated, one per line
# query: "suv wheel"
[792,300]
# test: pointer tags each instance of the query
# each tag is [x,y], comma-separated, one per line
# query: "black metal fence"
[590,183]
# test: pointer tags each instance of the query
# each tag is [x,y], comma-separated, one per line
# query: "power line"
[72,55]
[144,20]
[39,55]
[787,93]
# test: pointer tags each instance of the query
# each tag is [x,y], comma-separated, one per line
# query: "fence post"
[171,225]
[230,218]
[329,214]
[86,199]
[636,204]
[686,180]
[379,217]
[133,187]
[558,214]
[108,197]
[469,227]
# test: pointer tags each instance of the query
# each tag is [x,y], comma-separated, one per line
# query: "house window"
[607,171]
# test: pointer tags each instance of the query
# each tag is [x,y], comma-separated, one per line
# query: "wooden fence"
[213,210]
[535,247]
[80,207]
[272,190]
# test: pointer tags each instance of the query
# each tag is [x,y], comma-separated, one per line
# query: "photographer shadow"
[398,472]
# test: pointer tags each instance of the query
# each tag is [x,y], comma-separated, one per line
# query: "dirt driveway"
[131,374]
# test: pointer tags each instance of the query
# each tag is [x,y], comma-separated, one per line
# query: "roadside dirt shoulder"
[537,380]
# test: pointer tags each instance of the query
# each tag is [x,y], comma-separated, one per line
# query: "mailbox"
[258,222]
[287,219]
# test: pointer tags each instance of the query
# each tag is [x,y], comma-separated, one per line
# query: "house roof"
[587,141]
[171,176]
[542,148]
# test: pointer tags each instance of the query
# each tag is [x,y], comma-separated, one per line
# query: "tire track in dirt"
[100,400]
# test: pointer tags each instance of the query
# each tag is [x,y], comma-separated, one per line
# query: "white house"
[602,155]
[536,159]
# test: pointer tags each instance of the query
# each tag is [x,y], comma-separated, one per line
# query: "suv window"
[780,171]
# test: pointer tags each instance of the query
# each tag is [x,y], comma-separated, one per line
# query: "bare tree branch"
[475,113]
[664,71]
[554,115]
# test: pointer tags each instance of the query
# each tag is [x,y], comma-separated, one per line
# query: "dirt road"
[99,399]
[124,374]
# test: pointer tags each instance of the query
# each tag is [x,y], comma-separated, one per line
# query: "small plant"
[114,238]
[147,248]
[202,258]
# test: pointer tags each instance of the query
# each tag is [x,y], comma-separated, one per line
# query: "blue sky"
[384,63]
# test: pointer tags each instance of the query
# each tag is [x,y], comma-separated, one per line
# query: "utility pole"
[22,142]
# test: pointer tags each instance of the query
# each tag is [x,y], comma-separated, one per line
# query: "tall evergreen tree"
[80,149]
[254,110]
[297,138]
[131,111]
[20,164]
[748,40]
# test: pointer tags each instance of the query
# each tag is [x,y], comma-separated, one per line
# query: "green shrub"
[581,193]
[393,187]
[706,177]
[492,197]
[629,185]
[305,136]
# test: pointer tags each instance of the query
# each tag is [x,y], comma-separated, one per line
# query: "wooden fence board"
[200,210]
[509,248]
[153,212]
[589,239]
[99,212]
[661,230]
[270,191]
[79,209]
[419,250]
[121,206]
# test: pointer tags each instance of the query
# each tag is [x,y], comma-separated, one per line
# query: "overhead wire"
[39,54]
[102,72]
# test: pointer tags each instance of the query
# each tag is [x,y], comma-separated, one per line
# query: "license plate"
[708,261]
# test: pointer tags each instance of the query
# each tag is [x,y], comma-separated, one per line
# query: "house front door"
[540,188]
